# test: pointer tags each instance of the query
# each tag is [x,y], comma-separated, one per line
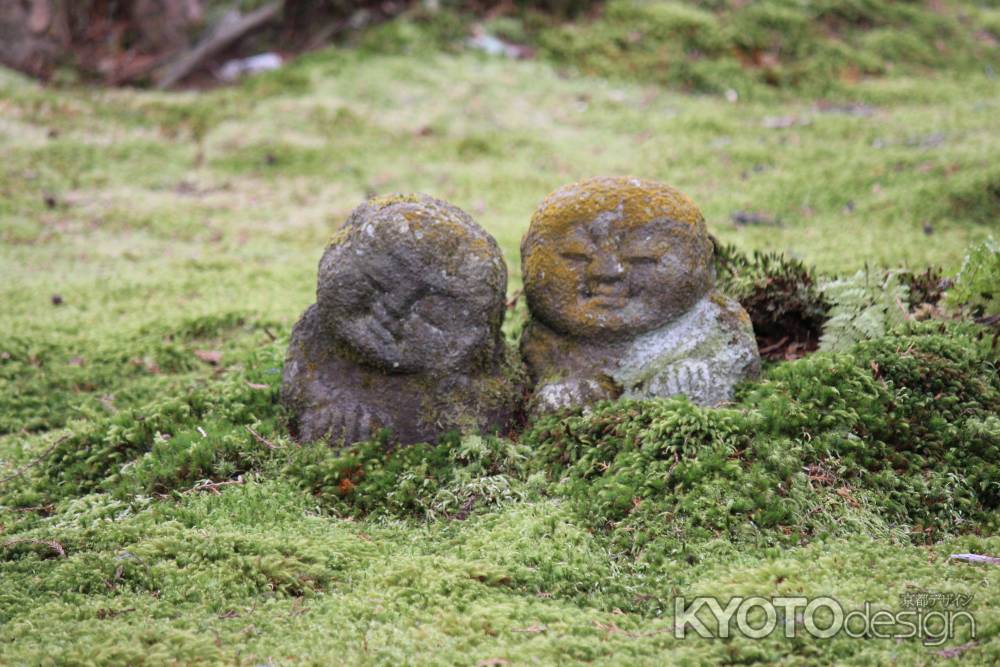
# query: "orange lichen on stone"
[619,281]
[639,201]
[406,332]
[647,238]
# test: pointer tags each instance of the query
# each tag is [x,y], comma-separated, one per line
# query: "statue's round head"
[615,257]
[412,284]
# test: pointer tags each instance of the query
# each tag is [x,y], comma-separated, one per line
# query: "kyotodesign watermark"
[932,617]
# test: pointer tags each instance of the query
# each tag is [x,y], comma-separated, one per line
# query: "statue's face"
[614,273]
[406,304]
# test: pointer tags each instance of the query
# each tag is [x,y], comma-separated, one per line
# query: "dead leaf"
[211,357]
[845,493]
[147,364]
[783,122]
[753,218]
[531,629]
[956,651]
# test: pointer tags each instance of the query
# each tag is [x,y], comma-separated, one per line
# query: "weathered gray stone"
[619,282]
[405,331]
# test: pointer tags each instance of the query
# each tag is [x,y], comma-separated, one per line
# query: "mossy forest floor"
[157,248]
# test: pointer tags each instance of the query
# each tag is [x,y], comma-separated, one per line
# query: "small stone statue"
[405,332]
[619,281]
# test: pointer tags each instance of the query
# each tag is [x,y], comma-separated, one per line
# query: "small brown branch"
[45,509]
[774,347]
[261,439]
[209,485]
[52,544]
[226,34]
[956,651]
[30,464]
[980,559]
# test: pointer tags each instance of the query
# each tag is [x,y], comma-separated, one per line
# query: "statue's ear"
[713,260]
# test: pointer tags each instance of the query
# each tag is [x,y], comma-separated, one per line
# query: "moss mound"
[898,438]
[818,46]
[780,294]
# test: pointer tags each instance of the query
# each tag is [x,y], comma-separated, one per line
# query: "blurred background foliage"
[710,46]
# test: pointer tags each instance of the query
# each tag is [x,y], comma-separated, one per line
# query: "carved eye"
[576,256]
[376,284]
[436,310]
[642,260]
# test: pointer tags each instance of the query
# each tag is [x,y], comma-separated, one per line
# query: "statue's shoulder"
[729,313]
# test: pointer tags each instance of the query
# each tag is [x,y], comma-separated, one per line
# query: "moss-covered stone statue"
[405,331]
[619,281]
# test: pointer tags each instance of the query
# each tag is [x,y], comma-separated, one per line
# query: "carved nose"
[606,268]
[394,306]
[399,301]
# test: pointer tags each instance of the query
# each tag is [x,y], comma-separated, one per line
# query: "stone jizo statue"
[619,281]
[405,332]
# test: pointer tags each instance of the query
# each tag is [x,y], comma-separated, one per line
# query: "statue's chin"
[396,360]
[611,326]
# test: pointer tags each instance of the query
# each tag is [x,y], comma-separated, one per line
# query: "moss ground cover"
[157,249]
[752,49]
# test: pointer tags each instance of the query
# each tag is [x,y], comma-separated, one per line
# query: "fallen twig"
[975,558]
[104,614]
[531,629]
[612,628]
[52,544]
[45,509]
[751,218]
[955,651]
[226,34]
[775,346]
[261,439]
[209,485]
[41,457]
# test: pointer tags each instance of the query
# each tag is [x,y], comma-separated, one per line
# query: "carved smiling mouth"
[607,296]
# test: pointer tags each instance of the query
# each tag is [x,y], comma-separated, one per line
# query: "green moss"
[831,457]
[276,565]
[896,429]
[783,45]
[975,197]
[47,384]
